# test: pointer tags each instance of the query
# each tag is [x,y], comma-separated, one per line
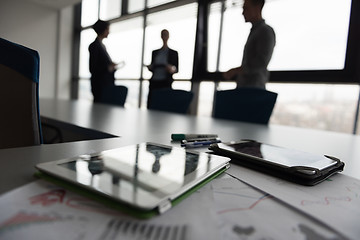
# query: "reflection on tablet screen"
[138,171]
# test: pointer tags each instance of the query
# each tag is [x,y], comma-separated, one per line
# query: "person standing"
[102,68]
[164,63]
[258,49]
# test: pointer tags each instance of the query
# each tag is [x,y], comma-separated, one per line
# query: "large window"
[90,12]
[320,106]
[312,45]
[110,9]
[315,42]
[310,34]
[136,5]
[324,106]
[128,45]
[86,38]
[181,24]
[153,3]
[124,45]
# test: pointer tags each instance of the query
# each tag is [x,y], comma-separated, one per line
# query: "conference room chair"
[170,100]
[115,95]
[50,132]
[20,124]
[253,105]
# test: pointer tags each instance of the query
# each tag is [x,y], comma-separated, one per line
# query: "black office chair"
[19,96]
[170,100]
[115,95]
[253,105]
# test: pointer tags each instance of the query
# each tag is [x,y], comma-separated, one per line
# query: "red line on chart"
[25,218]
[57,196]
[326,201]
[265,197]
[90,205]
[49,198]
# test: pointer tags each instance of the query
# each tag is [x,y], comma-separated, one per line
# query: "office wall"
[47,30]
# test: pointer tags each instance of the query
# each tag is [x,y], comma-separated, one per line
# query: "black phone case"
[294,174]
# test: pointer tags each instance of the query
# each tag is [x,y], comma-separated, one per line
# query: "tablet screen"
[141,174]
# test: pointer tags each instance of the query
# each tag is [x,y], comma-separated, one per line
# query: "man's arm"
[232,73]
[173,66]
[151,66]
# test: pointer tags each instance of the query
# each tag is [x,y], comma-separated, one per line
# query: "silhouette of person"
[164,63]
[258,49]
[102,68]
[158,153]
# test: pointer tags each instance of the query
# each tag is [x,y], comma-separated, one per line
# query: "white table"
[135,126]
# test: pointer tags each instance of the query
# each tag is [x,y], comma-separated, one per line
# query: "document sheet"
[225,208]
[334,202]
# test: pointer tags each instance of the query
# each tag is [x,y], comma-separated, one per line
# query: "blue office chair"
[253,105]
[19,96]
[115,95]
[170,100]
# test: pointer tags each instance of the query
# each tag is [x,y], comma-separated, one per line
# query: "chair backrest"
[115,95]
[171,100]
[19,96]
[253,105]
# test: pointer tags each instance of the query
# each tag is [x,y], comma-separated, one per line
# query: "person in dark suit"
[102,68]
[164,63]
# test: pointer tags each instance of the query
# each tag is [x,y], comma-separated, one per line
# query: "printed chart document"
[42,210]
[245,213]
[225,208]
[335,202]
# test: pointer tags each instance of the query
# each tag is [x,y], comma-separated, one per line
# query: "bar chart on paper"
[131,230]
[45,211]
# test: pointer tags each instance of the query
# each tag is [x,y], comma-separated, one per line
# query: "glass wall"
[86,38]
[153,3]
[320,106]
[214,29]
[181,24]
[136,6]
[310,35]
[90,12]
[124,45]
[126,40]
[306,41]
[234,35]
[110,9]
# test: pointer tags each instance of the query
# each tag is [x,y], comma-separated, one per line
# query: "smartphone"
[297,166]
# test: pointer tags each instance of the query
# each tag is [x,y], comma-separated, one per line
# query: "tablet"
[145,176]
[290,164]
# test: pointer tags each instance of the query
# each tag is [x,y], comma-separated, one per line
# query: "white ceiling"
[55,4]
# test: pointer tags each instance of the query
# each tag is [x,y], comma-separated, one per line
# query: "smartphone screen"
[279,155]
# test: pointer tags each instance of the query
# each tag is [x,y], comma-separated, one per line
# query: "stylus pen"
[181,136]
[199,143]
